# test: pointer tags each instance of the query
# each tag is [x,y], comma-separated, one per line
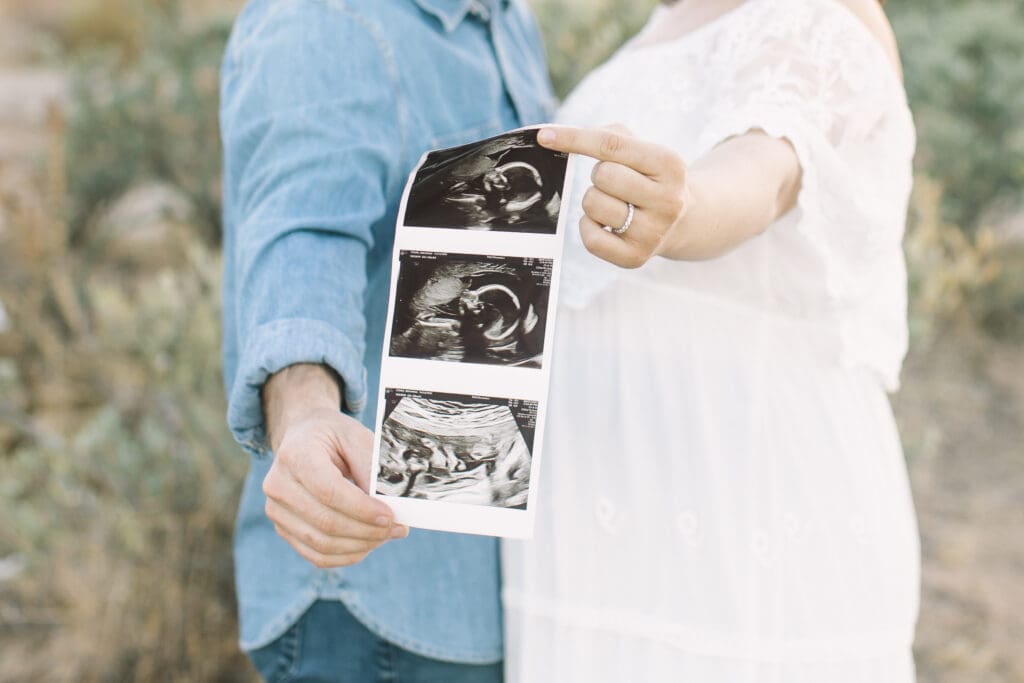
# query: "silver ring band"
[629,220]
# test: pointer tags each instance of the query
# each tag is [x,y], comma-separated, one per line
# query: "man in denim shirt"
[326,107]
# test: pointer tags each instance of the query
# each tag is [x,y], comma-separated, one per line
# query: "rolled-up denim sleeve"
[312,144]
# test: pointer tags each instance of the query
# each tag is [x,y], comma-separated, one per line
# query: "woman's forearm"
[734,193]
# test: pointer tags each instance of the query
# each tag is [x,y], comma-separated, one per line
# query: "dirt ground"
[961,414]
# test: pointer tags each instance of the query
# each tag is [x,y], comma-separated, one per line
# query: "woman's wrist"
[735,192]
[691,235]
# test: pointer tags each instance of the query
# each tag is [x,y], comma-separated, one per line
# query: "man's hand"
[317,486]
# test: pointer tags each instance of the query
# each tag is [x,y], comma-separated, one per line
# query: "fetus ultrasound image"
[507,183]
[459,449]
[471,309]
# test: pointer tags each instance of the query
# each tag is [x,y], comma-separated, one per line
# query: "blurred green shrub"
[999,305]
[946,266]
[107,24]
[964,72]
[118,478]
[581,34]
[148,114]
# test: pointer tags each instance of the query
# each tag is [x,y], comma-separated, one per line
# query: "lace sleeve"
[812,73]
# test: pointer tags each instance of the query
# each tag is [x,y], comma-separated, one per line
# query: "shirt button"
[480,11]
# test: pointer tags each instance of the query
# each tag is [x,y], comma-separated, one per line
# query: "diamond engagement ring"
[629,220]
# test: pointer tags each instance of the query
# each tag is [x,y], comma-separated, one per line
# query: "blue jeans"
[328,645]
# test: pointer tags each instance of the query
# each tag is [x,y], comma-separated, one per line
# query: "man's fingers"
[312,533]
[297,501]
[316,539]
[316,466]
[358,452]
[327,485]
[315,557]
[606,145]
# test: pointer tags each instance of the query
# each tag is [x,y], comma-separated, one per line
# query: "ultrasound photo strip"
[469,335]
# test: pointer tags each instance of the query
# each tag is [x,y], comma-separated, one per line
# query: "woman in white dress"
[724,493]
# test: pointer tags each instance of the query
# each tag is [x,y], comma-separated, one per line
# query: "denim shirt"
[326,107]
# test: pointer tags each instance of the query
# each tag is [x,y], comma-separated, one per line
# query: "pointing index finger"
[603,144]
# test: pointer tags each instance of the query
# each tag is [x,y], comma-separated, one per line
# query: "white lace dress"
[724,496]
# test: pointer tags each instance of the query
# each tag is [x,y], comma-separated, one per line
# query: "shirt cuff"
[276,345]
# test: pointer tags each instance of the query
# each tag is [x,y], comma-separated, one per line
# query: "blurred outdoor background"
[118,479]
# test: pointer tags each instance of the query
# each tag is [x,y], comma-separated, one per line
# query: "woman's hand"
[629,171]
[728,196]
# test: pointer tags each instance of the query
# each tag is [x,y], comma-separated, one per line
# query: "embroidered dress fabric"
[725,494]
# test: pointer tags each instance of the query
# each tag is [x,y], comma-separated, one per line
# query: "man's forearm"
[295,392]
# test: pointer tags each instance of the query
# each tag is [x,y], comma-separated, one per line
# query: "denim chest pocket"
[492,126]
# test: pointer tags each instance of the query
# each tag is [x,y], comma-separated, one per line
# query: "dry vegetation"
[117,476]
[961,414]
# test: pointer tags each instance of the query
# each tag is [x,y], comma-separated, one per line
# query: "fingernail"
[383,520]
[546,136]
[399,531]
